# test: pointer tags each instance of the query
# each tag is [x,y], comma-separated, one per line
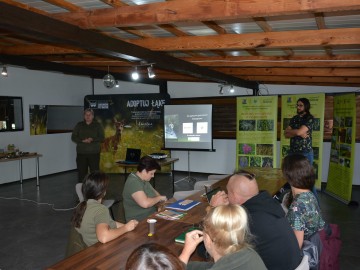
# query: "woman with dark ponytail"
[91,218]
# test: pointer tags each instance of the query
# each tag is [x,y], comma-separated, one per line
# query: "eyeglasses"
[248,175]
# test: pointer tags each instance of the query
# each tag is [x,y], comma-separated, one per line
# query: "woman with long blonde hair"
[227,239]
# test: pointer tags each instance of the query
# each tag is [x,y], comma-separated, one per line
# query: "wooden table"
[20,159]
[114,254]
[162,162]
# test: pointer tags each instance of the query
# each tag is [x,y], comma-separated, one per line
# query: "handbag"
[313,248]
[330,238]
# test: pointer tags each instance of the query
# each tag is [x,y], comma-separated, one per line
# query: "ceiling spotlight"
[231,89]
[151,72]
[4,71]
[135,75]
[221,91]
[116,83]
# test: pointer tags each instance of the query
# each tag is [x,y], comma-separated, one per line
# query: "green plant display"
[265,125]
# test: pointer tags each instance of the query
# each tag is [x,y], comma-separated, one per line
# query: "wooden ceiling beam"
[306,79]
[50,30]
[200,10]
[302,39]
[272,61]
[319,72]
[39,49]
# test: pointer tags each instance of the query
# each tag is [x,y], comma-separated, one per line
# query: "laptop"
[132,156]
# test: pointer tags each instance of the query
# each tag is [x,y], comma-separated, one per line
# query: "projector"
[158,155]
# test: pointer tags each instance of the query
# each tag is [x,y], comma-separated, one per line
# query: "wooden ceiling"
[244,42]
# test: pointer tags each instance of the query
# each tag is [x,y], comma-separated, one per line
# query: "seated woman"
[226,237]
[140,198]
[303,209]
[91,218]
[155,257]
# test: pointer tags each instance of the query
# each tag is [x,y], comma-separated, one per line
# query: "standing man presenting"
[88,136]
[300,129]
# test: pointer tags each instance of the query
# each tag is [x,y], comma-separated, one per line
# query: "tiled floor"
[34,236]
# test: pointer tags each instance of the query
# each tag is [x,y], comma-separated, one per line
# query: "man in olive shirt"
[88,136]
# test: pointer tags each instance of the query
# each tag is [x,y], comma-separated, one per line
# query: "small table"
[20,159]
[162,162]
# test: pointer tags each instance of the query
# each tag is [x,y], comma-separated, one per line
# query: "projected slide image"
[171,126]
[188,128]
[202,127]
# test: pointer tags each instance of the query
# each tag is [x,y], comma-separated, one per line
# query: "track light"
[4,71]
[135,75]
[221,91]
[231,89]
[151,72]
[116,83]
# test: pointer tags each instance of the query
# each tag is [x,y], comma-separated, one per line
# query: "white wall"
[47,88]
[41,88]
[223,160]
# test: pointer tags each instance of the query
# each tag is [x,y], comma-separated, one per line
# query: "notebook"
[182,205]
[181,238]
[132,156]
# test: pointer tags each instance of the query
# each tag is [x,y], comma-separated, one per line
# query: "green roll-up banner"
[317,107]
[342,153]
[256,131]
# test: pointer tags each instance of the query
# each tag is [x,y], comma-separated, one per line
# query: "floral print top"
[304,214]
[297,143]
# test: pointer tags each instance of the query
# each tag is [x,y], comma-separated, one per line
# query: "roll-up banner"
[256,131]
[129,121]
[317,108]
[342,153]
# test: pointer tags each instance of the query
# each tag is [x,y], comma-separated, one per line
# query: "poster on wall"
[289,110]
[256,131]
[342,152]
[129,121]
[38,119]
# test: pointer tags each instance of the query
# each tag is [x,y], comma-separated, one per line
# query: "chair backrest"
[78,189]
[304,265]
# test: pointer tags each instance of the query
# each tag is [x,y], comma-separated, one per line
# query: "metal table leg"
[20,171]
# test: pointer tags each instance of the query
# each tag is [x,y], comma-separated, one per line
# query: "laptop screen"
[133,155]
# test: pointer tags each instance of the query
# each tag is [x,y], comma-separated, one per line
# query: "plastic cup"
[152,223]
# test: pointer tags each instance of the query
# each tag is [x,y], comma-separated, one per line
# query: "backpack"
[331,245]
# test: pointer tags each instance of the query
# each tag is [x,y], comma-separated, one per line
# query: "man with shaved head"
[275,240]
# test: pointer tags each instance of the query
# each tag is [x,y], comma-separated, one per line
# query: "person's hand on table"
[220,198]
[131,225]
